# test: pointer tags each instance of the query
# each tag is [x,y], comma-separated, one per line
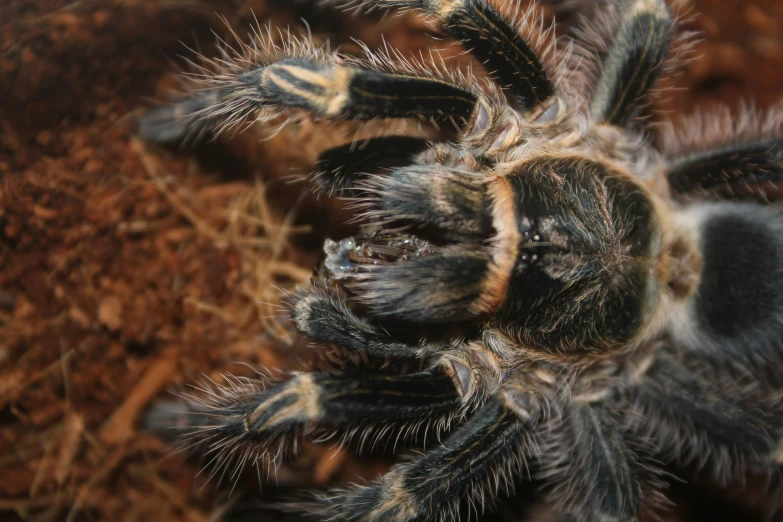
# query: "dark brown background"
[127,270]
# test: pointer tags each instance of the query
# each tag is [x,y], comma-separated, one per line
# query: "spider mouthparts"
[338,262]
[346,257]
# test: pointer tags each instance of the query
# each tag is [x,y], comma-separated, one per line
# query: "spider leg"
[691,421]
[327,319]
[593,472]
[483,455]
[337,169]
[752,170]
[632,64]
[324,87]
[450,198]
[245,419]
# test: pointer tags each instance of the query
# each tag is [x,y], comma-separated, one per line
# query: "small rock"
[78,316]
[45,213]
[44,137]
[101,18]
[110,313]
[94,166]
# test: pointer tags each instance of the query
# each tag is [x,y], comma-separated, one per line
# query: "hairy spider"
[586,307]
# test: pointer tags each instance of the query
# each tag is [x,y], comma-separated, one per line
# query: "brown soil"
[127,270]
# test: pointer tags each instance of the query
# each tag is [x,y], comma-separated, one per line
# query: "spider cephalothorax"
[585,307]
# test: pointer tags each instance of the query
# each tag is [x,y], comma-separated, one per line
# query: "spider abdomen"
[738,300]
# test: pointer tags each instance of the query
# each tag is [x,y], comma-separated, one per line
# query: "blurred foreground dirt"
[127,270]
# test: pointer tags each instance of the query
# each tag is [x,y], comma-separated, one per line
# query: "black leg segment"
[443,285]
[748,171]
[327,319]
[633,62]
[324,89]
[502,50]
[337,169]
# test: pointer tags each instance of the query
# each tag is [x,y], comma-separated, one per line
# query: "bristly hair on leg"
[720,155]
[719,127]
[211,99]
[218,428]
[180,122]
[211,420]
[326,318]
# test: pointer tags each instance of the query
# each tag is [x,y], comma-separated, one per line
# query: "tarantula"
[585,307]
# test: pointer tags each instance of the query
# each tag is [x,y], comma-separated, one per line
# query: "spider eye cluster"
[532,247]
